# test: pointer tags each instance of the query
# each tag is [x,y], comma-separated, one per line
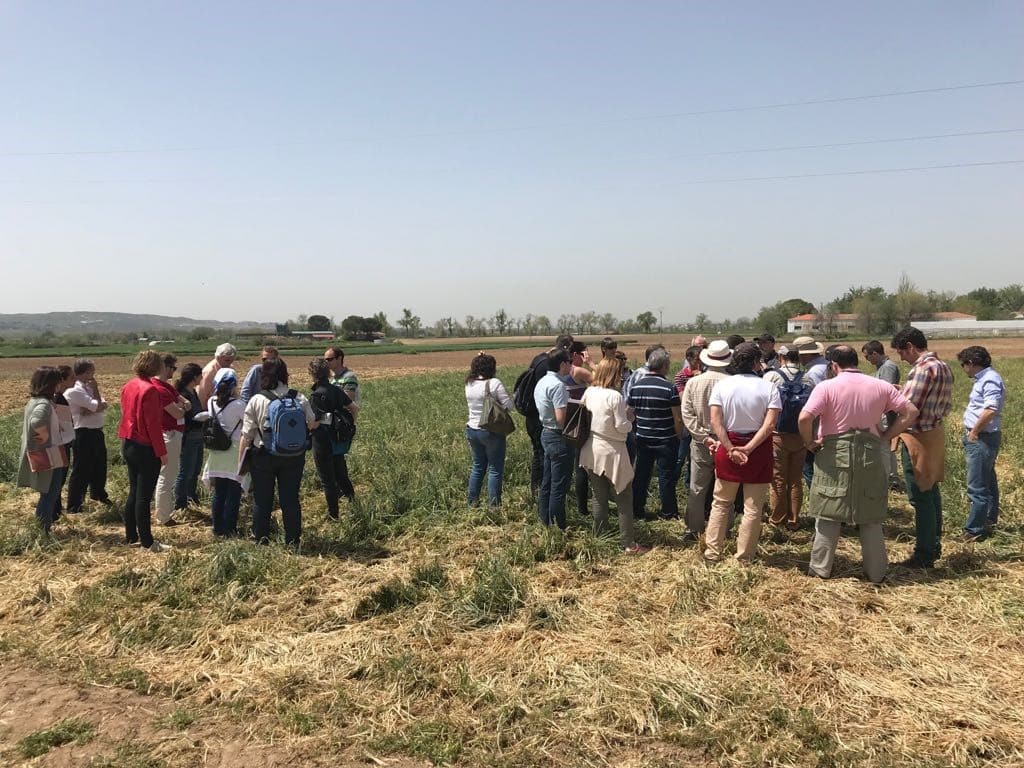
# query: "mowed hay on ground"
[419,630]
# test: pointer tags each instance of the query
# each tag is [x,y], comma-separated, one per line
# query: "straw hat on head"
[717,354]
[806,345]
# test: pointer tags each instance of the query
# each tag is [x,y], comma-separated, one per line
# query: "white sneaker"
[157,548]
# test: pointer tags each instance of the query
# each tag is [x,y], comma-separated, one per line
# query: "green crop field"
[418,631]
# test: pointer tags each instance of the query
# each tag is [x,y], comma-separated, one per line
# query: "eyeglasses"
[328,359]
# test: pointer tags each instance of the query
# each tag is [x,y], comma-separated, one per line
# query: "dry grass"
[421,628]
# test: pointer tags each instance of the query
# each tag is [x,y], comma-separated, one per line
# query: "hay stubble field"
[418,631]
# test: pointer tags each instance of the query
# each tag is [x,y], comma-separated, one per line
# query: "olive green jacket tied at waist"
[850,479]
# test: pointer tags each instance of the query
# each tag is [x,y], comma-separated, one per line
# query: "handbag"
[577,425]
[495,417]
[47,459]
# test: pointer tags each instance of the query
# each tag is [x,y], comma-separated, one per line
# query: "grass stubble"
[419,627]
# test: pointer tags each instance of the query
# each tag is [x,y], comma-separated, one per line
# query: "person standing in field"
[221,470]
[43,463]
[604,455]
[552,399]
[223,357]
[523,394]
[930,388]
[174,406]
[251,385]
[345,379]
[282,468]
[88,413]
[579,378]
[331,405]
[982,440]
[658,426]
[696,413]
[886,370]
[487,449]
[187,481]
[787,492]
[744,410]
[690,369]
[769,357]
[66,422]
[850,473]
[142,447]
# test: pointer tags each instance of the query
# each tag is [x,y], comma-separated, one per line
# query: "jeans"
[982,485]
[534,429]
[927,514]
[332,469]
[683,463]
[286,472]
[666,455]
[168,473]
[808,468]
[227,497]
[557,475]
[185,487]
[88,468]
[49,498]
[488,452]
[143,472]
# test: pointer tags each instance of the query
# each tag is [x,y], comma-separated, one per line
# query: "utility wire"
[536,127]
[844,173]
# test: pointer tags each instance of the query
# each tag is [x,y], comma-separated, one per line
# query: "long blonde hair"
[608,373]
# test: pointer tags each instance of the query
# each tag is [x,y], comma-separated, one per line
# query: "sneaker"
[131,542]
[157,548]
[637,549]
[690,537]
[170,523]
[970,538]
[105,501]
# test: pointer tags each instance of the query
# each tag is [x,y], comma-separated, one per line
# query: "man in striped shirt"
[658,426]
[930,388]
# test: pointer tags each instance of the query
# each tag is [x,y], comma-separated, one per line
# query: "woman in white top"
[267,468]
[604,455]
[221,470]
[66,425]
[487,448]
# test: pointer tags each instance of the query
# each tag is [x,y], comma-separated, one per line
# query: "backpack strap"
[782,373]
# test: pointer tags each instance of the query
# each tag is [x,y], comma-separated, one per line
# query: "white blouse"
[475,399]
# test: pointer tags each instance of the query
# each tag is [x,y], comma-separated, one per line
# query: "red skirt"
[758,468]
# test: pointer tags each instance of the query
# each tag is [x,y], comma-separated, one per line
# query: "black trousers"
[88,468]
[534,429]
[286,473]
[143,472]
[333,472]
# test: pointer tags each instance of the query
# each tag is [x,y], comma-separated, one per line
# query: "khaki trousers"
[787,479]
[168,475]
[754,495]
[872,549]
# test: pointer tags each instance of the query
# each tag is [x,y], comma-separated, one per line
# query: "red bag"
[46,459]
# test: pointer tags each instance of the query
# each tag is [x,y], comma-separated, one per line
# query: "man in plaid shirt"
[929,387]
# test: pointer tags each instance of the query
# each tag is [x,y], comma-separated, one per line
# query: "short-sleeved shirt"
[349,382]
[852,400]
[988,393]
[745,399]
[257,411]
[929,387]
[889,371]
[653,398]
[549,395]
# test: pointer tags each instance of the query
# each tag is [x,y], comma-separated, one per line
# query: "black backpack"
[526,383]
[214,436]
[339,424]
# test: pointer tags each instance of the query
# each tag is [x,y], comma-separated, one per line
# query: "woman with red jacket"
[142,446]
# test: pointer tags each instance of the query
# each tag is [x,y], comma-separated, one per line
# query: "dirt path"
[129,725]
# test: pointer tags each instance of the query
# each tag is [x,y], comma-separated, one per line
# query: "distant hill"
[111,322]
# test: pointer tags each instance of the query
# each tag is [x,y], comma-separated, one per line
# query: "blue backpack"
[794,394]
[285,432]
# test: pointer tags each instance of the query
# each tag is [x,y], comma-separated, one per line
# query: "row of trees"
[879,311]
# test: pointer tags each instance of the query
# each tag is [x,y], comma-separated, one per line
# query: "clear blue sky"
[456,157]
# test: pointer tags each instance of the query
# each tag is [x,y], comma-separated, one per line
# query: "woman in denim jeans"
[185,487]
[487,448]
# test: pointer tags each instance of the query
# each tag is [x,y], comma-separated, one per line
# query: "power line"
[535,127]
[865,172]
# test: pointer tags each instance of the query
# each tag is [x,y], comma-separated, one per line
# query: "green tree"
[646,320]
[499,323]
[318,323]
[774,318]
[382,322]
[409,322]
[909,304]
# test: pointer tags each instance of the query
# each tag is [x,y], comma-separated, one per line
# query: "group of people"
[254,431]
[749,426]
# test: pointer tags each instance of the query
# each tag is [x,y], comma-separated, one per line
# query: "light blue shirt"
[549,395]
[989,393]
[251,385]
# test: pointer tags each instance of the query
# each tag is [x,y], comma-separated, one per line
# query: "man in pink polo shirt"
[850,472]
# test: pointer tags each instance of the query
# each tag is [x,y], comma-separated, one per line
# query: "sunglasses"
[328,359]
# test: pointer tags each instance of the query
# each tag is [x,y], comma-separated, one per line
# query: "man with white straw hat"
[812,358]
[697,420]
